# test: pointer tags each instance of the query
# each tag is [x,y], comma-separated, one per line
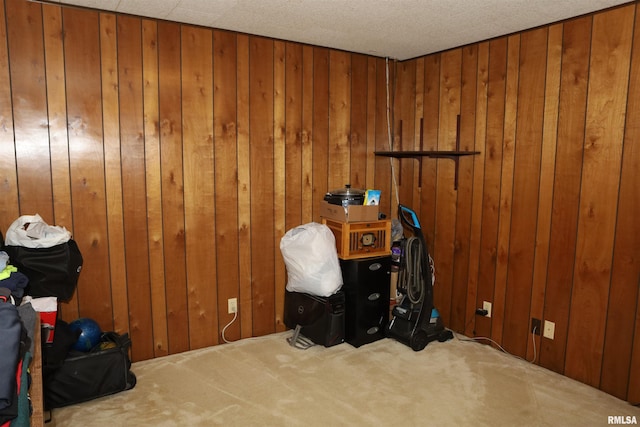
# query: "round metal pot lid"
[347,191]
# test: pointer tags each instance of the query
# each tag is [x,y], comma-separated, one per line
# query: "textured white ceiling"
[397,29]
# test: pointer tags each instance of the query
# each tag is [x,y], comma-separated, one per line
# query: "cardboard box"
[352,213]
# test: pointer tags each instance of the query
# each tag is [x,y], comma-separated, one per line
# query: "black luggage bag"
[86,376]
[52,272]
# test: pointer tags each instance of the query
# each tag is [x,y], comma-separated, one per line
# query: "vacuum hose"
[411,275]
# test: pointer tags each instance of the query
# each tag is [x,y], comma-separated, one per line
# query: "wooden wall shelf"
[434,154]
[419,154]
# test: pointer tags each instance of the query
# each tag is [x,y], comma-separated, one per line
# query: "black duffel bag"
[52,272]
[85,376]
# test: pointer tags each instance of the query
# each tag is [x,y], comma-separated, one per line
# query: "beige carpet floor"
[265,382]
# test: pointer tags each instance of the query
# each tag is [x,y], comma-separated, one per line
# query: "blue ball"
[90,333]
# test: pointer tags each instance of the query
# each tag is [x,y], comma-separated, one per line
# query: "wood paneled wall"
[180,155]
[544,222]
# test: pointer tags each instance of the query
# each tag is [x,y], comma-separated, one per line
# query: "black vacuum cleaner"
[415,322]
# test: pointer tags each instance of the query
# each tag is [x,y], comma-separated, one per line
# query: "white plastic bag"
[30,231]
[310,255]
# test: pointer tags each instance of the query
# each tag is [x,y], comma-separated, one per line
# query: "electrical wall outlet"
[536,326]
[549,329]
[486,305]
[232,304]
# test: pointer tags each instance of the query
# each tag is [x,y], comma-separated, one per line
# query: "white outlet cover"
[486,305]
[232,305]
[549,329]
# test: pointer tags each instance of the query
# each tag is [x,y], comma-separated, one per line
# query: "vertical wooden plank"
[430,137]
[285,159]
[320,127]
[133,185]
[446,195]
[308,194]
[57,111]
[29,93]
[506,186]
[460,280]
[113,177]
[226,183]
[245,305]
[87,162]
[58,137]
[9,209]
[358,137]
[630,168]
[566,187]
[403,119]
[261,133]
[199,185]
[386,168]
[607,91]
[173,209]
[547,166]
[482,88]
[526,181]
[418,123]
[339,118]
[618,375]
[289,118]
[491,184]
[372,107]
[153,188]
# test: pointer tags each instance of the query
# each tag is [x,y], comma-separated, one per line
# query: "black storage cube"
[366,287]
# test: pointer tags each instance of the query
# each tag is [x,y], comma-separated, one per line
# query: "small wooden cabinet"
[360,239]
[36,391]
